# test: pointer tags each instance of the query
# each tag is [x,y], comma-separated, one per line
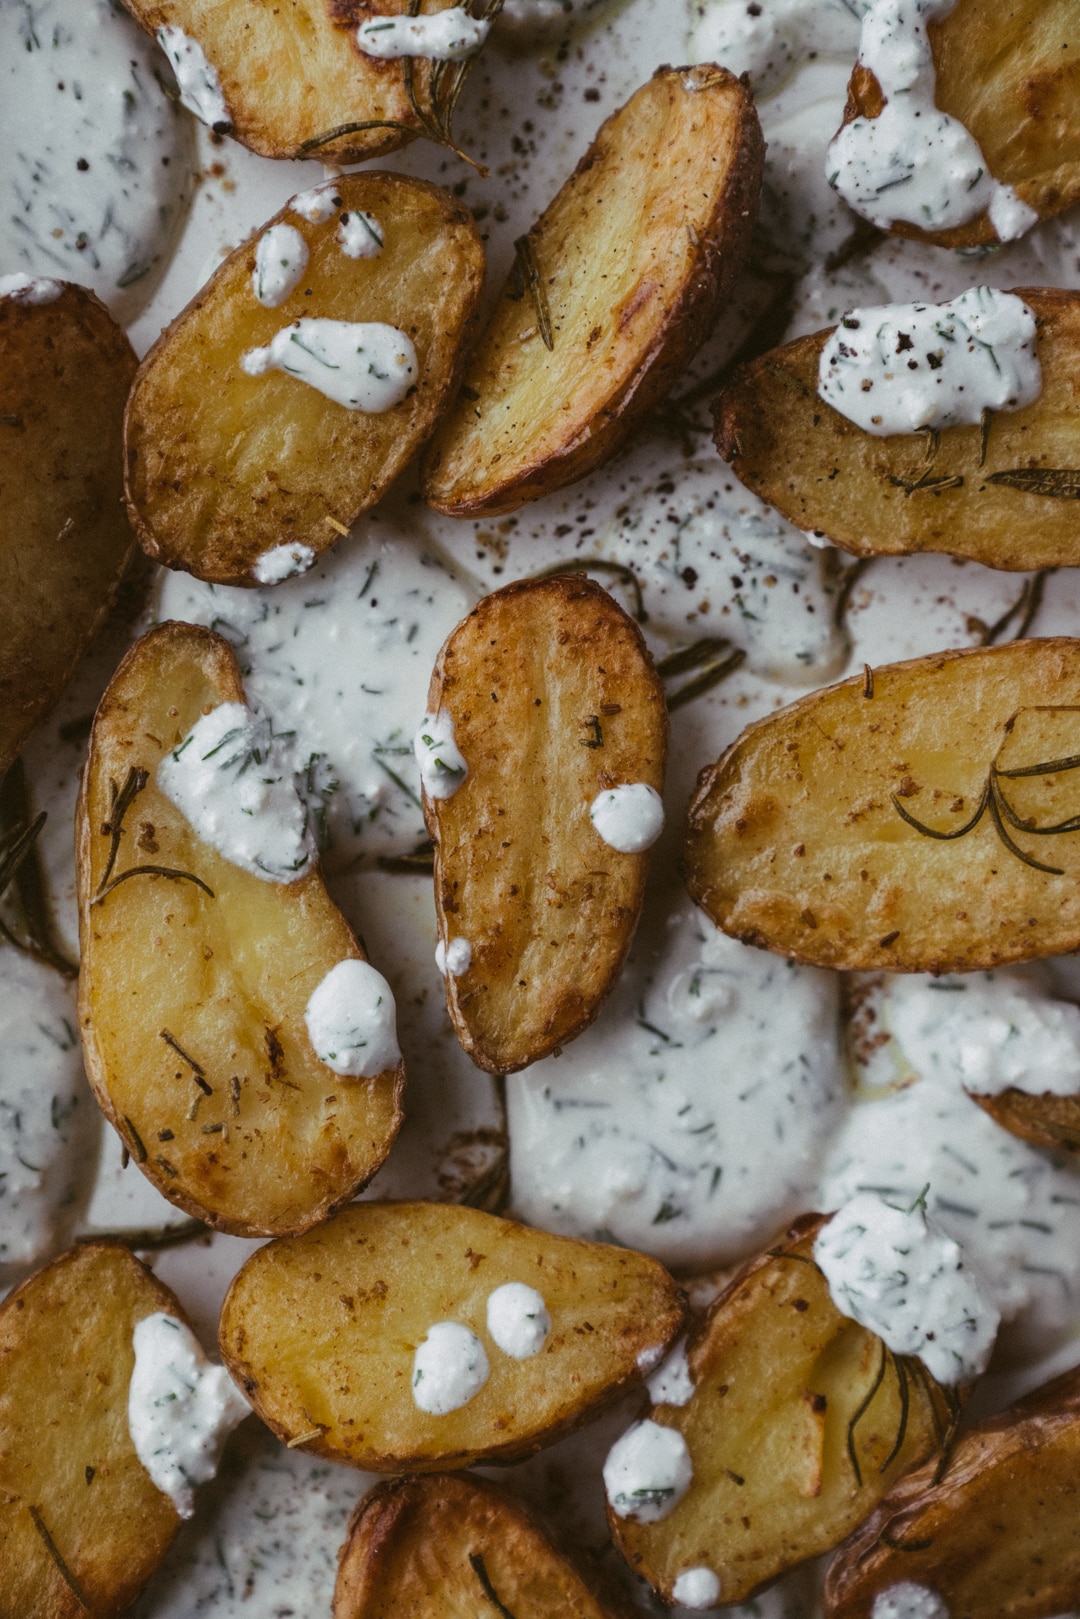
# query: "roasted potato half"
[65,371]
[451,1544]
[910,820]
[1046,1121]
[799,1422]
[223,467]
[1005,498]
[82,1525]
[553,698]
[995,1536]
[614,288]
[196,975]
[321,1332]
[1011,75]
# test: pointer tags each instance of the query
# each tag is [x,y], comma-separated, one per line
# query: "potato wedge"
[799,1422]
[295,82]
[192,1008]
[1011,75]
[996,1536]
[441,1545]
[65,371]
[1046,1121]
[626,272]
[320,1331]
[800,837]
[553,698]
[223,467]
[1009,504]
[82,1525]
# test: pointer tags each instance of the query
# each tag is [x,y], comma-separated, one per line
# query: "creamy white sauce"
[647,1472]
[234,780]
[443,36]
[629,818]
[363,365]
[992,1032]
[905,1600]
[903,367]
[283,562]
[697,1588]
[352,1021]
[450,1368]
[181,1409]
[280,261]
[671,1383]
[25,289]
[441,764]
[454,958]
[770,39]
[197,80]
[360,235]
[518,1320]
[319,204]
[913,163]
[526,20]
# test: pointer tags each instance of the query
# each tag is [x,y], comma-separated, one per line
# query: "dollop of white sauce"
[442,36]
[181,1409]
[198,82]
[769,40]
[898,1274]
[352,1021]
[363,365]
[450,1368]
[518,1320]
[319,204]
[914,163]
[629,818]
[280,261]
[906,1600]
[442,767]
[233,779]
[541,18]
[903,367]
[647,1472]
[671,1383]
[283,562]
[26,289]
[360,235]
[994,1032]
[697,1588]
[454,958]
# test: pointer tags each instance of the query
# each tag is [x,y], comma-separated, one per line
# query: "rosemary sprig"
[1026,605]
[529,271]
[113,828]
[418,860]
[28,879]
[147,1237]
[15,849]
[864,1406]
[480,1570]
[1055,483]
[928,484]
[141,1153]
[198,1073]
[900,1368]
[617,570]
[152,871]
[54,1552]
[709,677]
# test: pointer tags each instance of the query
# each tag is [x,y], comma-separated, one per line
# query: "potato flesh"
[65,370]
[795,844]
[409,1549]
[636,254]
[320,1332]
[779,1374]
[228,978]
[997,1538]
[222,467]
[66,1360]
[548,908]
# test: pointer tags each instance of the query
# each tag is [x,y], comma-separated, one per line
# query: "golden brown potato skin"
[411,1546]
[795,841]
[553,697]
[823,472]
[636,254]
[997,1538]
[779,1375]
[65,371]
[1011,75]
[227,977]
[1046,1121]
[320,1332]
[66,1360]
[222,467]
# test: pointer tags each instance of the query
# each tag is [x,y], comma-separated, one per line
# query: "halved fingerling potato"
[616,285]
[449,1544]
[803,839]
[225,467]
[1046,1121]
[82,1524]
[65,371]
[995,1534]
[553,699]
[194,986]
[321,1332]
[799,1422]
[1006,498]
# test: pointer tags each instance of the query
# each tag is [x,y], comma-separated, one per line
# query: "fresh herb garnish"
[198,1073]
[480,1570]
[152,871]
[529,272]
[113,828]
[1055,483]
[54,1552]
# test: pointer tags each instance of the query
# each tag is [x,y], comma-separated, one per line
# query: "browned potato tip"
[1011,75]
[920,818]
[614,288]
[1046,1121]
[82,1525]
[994,1536]
[243,479]
[799,1422]
[1004,495]
[374,1339]
[197,975]
[451,1544]
[551,699]
[65,371]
